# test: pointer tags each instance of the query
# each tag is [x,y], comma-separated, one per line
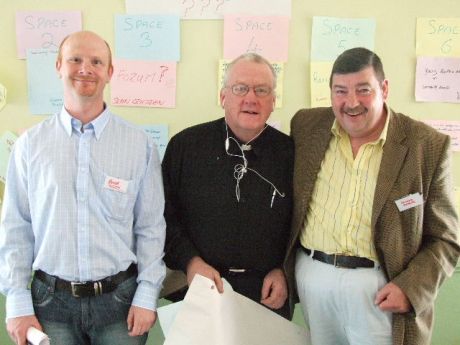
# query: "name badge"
[409,201]
[116,184]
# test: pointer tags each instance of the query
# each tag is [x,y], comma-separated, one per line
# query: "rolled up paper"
[36,337]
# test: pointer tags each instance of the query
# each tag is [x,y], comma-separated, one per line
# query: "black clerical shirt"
[204,217]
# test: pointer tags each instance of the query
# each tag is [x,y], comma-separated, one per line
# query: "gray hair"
[251,57]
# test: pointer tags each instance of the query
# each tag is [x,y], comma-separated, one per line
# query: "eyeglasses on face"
[243,89]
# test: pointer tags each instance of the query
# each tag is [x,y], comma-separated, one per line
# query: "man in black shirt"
[228,190]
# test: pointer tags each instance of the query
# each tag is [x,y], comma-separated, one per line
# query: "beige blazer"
[417,248]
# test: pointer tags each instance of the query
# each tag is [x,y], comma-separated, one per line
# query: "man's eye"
[261,90]
[74,60]
[365,91]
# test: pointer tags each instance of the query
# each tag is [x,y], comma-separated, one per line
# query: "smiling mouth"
[85,80]
[355,112]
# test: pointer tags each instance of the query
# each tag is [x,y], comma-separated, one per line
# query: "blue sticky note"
[147,37]
[44,86]
[332,36]
[159,134]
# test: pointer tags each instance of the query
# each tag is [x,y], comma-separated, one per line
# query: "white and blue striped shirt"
[82,203]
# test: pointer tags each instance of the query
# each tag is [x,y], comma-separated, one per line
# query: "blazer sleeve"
[437,256]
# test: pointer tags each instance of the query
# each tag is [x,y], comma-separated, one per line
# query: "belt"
[235,272]
[343,261]
[88,289]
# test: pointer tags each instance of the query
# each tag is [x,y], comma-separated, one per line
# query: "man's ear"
[222,99]
[110,73]
[58,68]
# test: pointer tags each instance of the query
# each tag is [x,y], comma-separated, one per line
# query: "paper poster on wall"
[457,202]
[438,37]
[159,134]
[279,70]
[44,29]
[137,83]
[209,9]
[147,37]
[451,128]
[7,141]
[44,98]
[3,93]
[437,79]
[319,83]
[332,36]
[264,35]
[2,191]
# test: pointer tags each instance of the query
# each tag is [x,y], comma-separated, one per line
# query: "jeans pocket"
[41,293]
[124,293]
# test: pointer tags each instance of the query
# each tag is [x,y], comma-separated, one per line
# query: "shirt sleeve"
[16,235]
[149,231]
[179,248]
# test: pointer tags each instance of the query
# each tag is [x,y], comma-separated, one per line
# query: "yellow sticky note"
[277,66]
[2,188]
[438,37]
[223,65]
[2,96]
[279,70]
[319,83]
[457,199]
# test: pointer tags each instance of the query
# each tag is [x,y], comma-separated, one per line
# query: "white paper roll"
[36,337]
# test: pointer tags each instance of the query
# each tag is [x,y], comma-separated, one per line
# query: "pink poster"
[264,35]
[437,79]
[44,29]
[137,83]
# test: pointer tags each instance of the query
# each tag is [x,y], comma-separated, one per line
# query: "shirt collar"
[338,131]
[98,124]
[257,145]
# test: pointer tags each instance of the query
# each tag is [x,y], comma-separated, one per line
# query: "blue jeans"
[99,320]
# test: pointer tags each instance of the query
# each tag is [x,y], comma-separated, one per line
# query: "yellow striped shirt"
[339,214]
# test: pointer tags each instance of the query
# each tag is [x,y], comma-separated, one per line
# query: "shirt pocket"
[115,204]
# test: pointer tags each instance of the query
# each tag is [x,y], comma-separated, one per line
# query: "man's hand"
[392,298]
[197,265]
[17,327]
[274,289]
[140,320]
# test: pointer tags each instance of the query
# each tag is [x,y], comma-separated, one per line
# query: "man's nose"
[250,97]
[352,100]
[86,68]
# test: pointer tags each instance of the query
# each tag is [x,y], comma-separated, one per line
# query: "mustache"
[356,110]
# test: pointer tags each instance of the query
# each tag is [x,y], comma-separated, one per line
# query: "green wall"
[201,48]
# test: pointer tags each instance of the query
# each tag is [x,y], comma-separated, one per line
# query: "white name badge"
[116,184]
[409,201]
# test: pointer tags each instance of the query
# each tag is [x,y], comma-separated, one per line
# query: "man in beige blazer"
[374,231]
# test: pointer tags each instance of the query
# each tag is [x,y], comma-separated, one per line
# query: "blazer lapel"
[394,152]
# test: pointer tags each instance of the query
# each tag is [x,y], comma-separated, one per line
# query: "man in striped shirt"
[374,217]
